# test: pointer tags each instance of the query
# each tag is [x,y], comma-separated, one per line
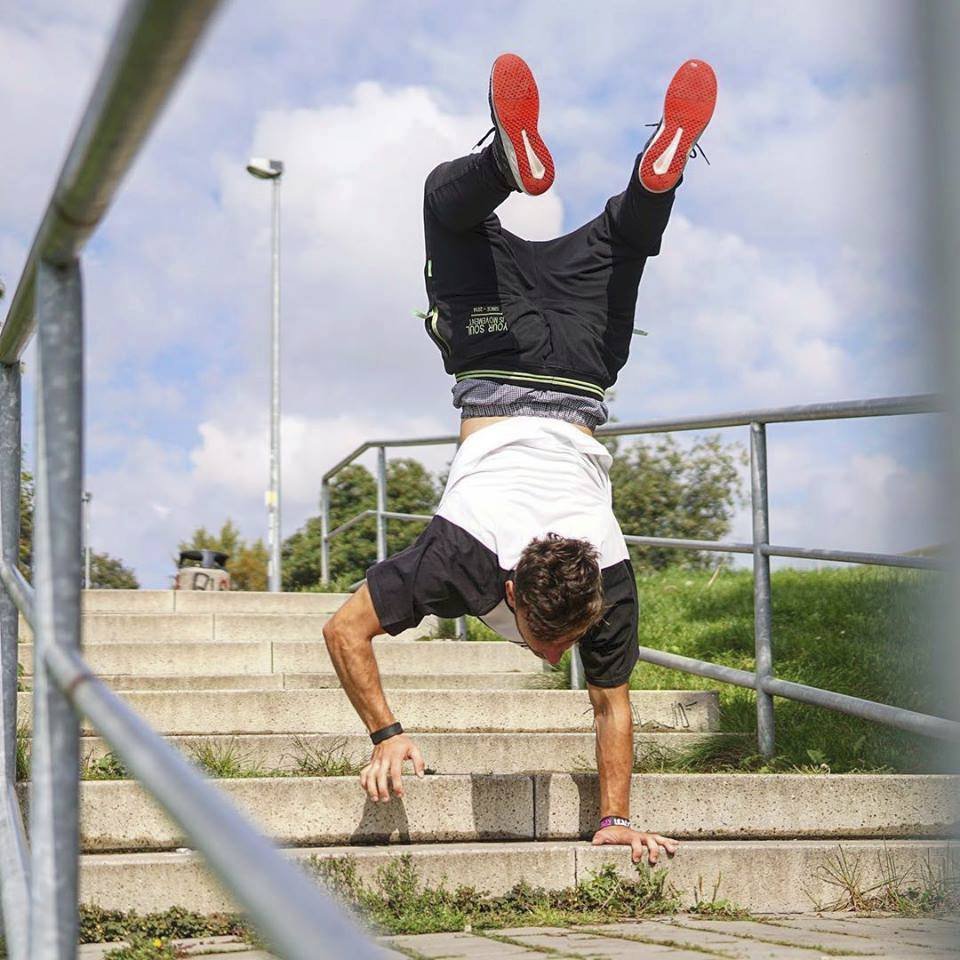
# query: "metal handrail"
[762,679]
[38,882]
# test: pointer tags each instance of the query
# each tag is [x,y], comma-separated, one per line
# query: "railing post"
[461,628]
[14,882]
[54,828]
[325,532]
[761,586]
[381,503]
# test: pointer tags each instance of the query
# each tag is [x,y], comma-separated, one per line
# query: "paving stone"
[893,930]
[811,939]
[706,939]
[198,946]
[669,939]
[587,944]
[460,946]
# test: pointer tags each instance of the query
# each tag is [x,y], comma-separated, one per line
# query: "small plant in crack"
[314,761]
[931,887]
[223,760]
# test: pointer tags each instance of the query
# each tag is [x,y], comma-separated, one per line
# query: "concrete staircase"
[512,792]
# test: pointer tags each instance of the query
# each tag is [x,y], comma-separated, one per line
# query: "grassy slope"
[858,631]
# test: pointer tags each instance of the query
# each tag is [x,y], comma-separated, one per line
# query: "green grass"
[107,767]
[864,632]
[398,902]
[311,761]
[98,925]
[217,760]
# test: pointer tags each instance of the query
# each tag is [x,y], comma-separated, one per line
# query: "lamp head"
[265,169]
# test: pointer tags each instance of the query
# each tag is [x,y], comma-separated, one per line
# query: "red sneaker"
[515,108]
[687,109]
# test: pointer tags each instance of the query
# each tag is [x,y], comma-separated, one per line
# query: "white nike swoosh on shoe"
[537,170]
[662,164]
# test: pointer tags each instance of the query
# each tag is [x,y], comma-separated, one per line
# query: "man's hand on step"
[385,767]
[651,843]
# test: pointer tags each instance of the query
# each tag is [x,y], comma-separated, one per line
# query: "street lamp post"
[85,500]
[264,169]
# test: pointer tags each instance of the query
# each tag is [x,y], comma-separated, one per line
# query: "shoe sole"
[687,109]
[515,107]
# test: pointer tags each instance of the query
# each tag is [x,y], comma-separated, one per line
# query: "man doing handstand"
[535,333]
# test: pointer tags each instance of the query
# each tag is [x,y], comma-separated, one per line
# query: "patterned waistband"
[485,398]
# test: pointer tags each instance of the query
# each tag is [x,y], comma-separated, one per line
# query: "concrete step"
[321,681]
[212,627]
[227,658]
[209,601]
[766,876]
[470,753]
[435,711]
[304,811]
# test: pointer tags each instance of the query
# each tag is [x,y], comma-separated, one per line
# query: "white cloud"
[789,273]
[155,496]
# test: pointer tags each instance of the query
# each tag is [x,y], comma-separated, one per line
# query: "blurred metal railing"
[762,679]
[38,882]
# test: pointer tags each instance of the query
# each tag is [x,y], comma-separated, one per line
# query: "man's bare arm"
[349,637]
[614,727]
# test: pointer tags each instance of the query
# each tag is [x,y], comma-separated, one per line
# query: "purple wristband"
[613,822]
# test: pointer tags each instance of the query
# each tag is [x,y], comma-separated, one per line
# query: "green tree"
[106,572]
[247,563]
[26,522]
[663,489]
[109,573]
[410,489]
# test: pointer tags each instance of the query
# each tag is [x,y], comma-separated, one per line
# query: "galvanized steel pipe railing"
[762,680]
[38,883]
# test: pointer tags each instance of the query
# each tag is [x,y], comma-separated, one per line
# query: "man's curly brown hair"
[559,586]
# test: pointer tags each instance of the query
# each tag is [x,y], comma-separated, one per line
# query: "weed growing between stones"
[398,902]
[107,767]
[716,908]
[217,760]
[730,753]
[111,926]
[142,948]
[932,891]
[310,761]
[224,760]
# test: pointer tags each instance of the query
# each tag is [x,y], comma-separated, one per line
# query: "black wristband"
[385,733]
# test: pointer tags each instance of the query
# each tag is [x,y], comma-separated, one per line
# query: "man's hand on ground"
[639,842]
[386,763]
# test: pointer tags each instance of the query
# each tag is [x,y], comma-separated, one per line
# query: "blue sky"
[791,271]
